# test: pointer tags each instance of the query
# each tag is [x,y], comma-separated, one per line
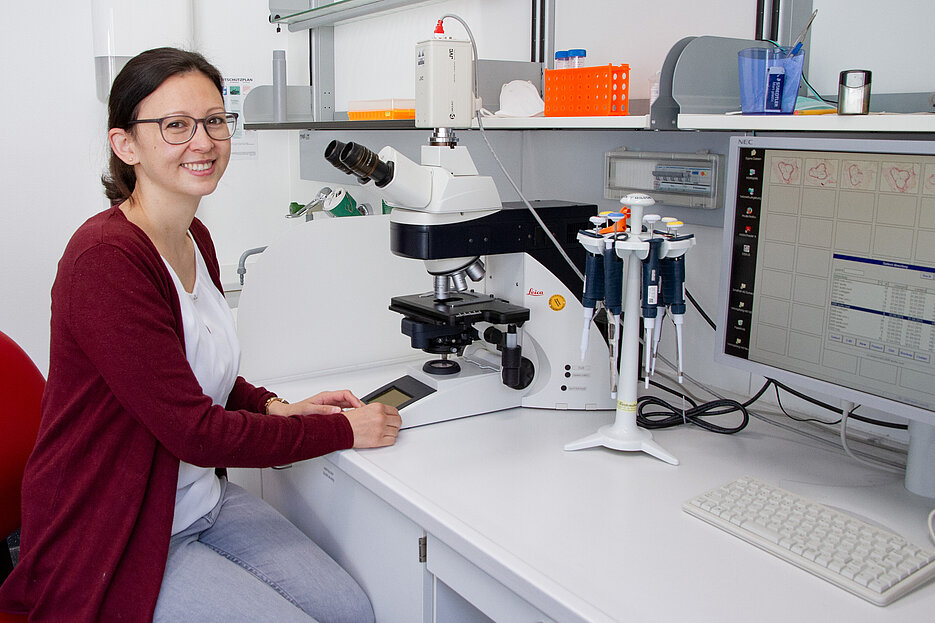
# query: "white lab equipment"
[640,250]
[485,358]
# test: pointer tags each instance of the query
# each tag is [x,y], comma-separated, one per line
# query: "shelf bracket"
[321,64]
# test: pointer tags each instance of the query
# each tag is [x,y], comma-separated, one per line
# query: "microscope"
[502,341]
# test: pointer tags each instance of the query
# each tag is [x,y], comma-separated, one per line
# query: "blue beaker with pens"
[769,80]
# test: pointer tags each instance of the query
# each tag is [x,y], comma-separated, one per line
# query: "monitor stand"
[920,462]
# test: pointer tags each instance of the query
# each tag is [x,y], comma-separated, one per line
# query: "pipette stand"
[624,434]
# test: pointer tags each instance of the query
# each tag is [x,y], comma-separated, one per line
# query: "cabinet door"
[375,543]
[472,584]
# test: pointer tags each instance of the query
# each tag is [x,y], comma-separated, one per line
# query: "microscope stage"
[463,308]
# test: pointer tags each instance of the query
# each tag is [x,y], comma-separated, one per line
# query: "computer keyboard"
[871,562]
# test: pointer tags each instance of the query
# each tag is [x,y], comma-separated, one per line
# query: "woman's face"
[192,169]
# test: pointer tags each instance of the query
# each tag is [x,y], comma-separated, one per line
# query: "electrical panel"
[674,179]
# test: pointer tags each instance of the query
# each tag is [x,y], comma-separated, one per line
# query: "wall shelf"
[624,122]
[393,124]
[874,122]
[329,13]
[878,122]
[633,122]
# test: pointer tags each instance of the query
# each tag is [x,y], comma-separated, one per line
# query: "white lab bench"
[524,531]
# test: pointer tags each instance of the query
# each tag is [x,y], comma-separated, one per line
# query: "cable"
[691,299]
[778,424]
[480,125]
[759,393]
[818,403]
[931,522]
[812,89]
[839,410]
[671,416]
[800,419]
[847,449]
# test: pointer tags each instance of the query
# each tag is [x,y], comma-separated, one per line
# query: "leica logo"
[534,292]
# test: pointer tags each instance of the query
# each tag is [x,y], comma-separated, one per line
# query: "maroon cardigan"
[121,408]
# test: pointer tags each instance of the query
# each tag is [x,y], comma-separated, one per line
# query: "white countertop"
[598,535]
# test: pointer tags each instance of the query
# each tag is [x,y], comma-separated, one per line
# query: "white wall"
[374,55]
[53,150]
[54,146]
[641,33]
[892,39]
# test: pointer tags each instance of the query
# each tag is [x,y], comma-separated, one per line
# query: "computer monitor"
[828,281]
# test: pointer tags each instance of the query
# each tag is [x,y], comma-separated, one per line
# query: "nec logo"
[534,292]
[744,141]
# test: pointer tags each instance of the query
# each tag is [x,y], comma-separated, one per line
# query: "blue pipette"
[650,292]
[613,298]
[672,271]
[593,285]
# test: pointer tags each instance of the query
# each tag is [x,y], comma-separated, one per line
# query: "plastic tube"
[279,86]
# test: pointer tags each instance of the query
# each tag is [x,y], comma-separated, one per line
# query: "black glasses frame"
[203,121]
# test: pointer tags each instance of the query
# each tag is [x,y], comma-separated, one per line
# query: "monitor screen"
[832,264]
[828,280]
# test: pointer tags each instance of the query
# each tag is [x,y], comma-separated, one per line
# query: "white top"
[213,351]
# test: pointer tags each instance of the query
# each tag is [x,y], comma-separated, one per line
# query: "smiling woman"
[124,516]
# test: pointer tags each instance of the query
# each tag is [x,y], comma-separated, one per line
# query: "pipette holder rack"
[624,434]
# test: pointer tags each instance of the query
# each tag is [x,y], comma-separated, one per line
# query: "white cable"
[480,125]
[931,522]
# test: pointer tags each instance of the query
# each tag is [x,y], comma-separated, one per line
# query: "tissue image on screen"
[832,271]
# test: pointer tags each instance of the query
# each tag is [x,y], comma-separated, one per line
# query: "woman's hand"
[374,425]
[321,404]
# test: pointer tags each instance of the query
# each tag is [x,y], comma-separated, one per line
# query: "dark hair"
[142,75]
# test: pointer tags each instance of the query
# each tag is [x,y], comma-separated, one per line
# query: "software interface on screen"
[832,273]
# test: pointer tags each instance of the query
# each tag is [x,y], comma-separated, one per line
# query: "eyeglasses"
[179,129]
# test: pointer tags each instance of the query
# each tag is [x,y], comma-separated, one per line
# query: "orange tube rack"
[587,91]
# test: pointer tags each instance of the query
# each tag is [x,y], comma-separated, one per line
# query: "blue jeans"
[244,562]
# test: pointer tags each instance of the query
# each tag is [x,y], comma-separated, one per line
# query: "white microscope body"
[504,342]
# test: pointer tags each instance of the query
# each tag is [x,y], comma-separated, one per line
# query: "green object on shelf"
[340,203]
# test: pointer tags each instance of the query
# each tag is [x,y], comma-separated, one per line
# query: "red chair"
[21,385]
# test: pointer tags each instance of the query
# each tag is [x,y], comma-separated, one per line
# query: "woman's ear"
[122,145]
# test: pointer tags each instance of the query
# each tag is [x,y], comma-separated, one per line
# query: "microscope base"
[624,439]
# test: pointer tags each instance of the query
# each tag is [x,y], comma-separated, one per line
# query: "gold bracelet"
[275,399]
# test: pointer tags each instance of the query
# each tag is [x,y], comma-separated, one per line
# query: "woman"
[124,517]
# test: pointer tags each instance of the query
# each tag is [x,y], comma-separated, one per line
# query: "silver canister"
[854,92]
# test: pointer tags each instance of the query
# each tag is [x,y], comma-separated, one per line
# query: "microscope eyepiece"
[355,159]
[366,164]
[333,155]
